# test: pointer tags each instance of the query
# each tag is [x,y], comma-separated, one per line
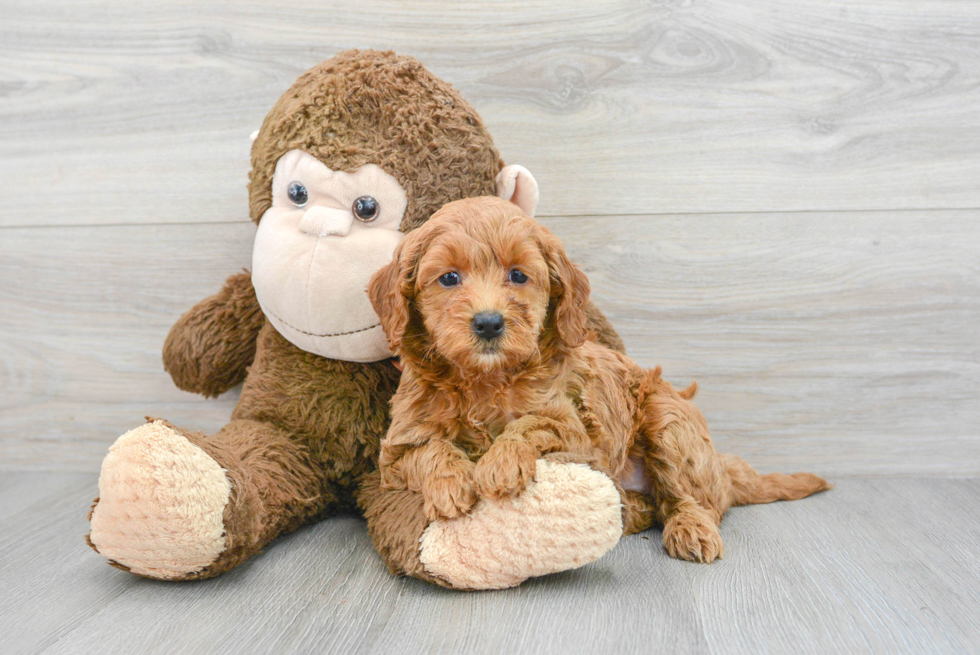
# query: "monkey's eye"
[298,194]
[449,279]
[366,209]
[517,276]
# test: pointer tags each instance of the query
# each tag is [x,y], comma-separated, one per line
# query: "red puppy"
[488,316]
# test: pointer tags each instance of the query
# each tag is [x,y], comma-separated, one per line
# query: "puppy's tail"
[750,488]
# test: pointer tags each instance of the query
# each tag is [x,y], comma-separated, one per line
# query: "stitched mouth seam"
[338,334]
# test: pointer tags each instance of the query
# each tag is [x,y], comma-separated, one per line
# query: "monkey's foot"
[161,504]
[569,516]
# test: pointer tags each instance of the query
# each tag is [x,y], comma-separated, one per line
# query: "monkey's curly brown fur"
[376,108]
[476,407]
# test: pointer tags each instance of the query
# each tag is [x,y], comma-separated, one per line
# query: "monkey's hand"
[210,347]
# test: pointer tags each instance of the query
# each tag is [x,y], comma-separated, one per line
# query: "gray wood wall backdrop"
[779,199]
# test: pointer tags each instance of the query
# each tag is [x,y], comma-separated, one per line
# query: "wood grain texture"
[819,340]
[844,343]
[87,310]
[871,566]
[140,113]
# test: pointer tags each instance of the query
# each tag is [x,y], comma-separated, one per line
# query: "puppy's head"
[481,286]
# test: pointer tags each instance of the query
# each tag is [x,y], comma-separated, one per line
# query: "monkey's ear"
[516,184]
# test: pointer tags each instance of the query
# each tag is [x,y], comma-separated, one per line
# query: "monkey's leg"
[178,505]
[569,516]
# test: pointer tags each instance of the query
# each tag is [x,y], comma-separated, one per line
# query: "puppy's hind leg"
[692,534]
[688,480]
[639,512]
[690,527]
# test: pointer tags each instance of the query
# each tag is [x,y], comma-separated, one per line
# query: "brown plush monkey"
[360,150]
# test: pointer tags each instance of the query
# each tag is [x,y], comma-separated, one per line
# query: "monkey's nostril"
[488,325]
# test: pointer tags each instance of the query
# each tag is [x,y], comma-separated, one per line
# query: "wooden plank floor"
[875,565]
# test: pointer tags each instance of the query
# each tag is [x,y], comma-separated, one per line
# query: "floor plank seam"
[540,215]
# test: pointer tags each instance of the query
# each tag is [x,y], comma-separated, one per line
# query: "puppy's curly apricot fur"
[488,316]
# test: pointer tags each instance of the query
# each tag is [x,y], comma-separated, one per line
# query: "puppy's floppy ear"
[392,289]
[569,292]
[390,304]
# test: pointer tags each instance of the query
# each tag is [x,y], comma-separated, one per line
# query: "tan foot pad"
[161,503]
[570,516]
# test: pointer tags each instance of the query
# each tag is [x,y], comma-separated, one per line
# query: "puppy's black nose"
[488,325]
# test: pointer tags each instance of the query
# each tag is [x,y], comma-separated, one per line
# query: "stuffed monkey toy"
[360,150]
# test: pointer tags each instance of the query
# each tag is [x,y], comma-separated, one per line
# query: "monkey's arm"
[210,347]
[603,328]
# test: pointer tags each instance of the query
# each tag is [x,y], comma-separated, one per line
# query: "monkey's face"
[316,248]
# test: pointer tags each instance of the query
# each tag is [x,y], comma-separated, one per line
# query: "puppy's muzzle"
[488,325]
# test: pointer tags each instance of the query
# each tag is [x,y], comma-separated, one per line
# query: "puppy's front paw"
[693,536]
[449,493]
[505,469]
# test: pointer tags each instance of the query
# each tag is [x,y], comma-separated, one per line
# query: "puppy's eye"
[366,209]
[517,276]
[298,194]
[449,279]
